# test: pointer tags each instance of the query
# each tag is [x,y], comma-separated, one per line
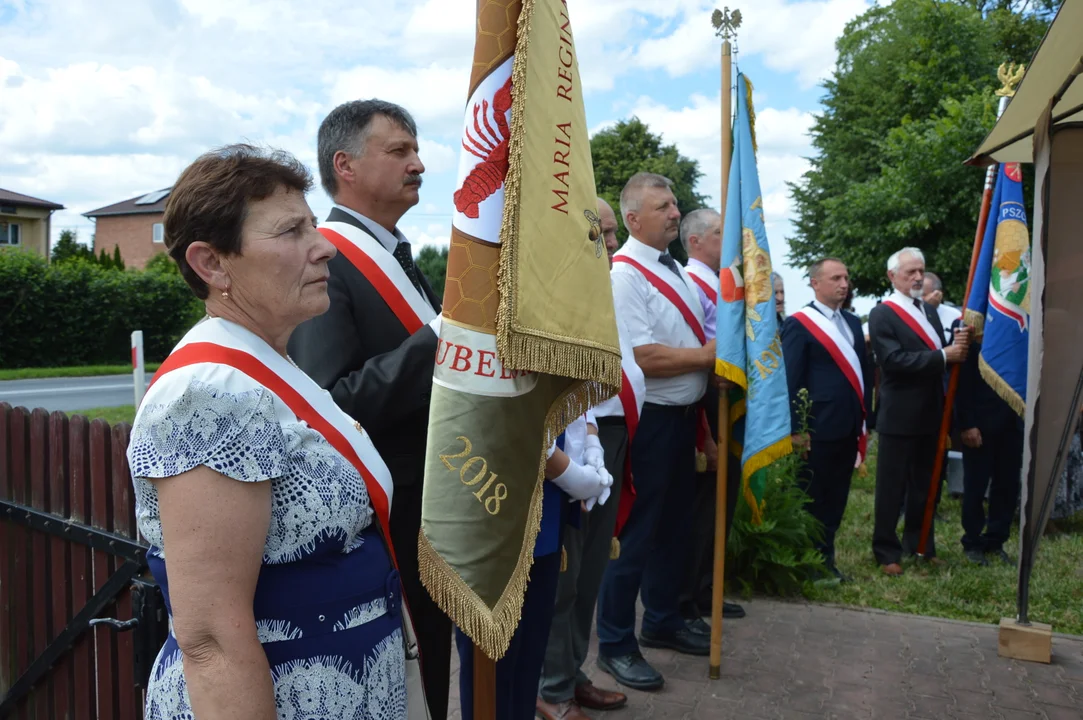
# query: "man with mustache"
[664,322]
[375,347]
[907,340]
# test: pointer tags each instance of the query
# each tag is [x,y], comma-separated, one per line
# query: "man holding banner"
[907,340]
[657,301]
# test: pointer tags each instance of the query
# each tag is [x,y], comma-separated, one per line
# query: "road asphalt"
[69,394]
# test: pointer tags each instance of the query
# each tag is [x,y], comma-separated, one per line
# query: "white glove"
[593,452]
[580,481]
[607,484]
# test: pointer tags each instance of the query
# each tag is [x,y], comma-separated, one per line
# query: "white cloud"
[435,95]
[794,37]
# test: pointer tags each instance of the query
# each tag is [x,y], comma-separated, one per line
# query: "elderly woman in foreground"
[262,502]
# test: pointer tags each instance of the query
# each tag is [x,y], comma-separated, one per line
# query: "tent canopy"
[1057,68]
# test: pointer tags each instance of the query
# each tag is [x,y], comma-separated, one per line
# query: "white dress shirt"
[651,319]
[837,319]
[947,315]
[613,406]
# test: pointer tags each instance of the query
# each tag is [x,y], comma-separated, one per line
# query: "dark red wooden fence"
[74,469]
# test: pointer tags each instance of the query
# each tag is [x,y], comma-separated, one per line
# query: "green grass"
[112,415]
[61,372]
[958,590]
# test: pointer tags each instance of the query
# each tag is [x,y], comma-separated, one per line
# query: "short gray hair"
[346,129]
[629,196]
[937,284]
[896,258]
[776,276]
[695,223]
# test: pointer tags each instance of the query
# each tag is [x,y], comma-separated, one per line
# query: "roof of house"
[151,203]
[7,197]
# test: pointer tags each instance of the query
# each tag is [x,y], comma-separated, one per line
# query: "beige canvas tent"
[1043,124]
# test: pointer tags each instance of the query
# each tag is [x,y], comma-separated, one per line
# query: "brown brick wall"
[133,233]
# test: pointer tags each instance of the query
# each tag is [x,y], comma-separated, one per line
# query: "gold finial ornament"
[726,23]
[1009,75]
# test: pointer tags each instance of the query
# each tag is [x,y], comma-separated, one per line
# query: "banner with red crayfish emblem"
[528,340]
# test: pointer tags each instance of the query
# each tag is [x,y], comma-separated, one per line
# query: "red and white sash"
[915,319]
[707,281]
[845,356]
[382,270]
[671,292]
[215,343]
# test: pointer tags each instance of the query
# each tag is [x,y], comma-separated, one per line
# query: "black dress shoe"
[1002,556]
[683,641]
[976,557]
[698,626]
[632,671]
[731,610]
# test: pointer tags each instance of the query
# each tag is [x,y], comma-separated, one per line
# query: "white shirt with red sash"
[841,349]
[373,258]
[651,317]
[707,286]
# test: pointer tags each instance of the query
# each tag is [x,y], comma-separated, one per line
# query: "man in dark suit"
[825,355]
[992,438]
[375,348]
[907,340]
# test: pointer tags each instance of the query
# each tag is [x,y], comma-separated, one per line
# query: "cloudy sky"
[102,100]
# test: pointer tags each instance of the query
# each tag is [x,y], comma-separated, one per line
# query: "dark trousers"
[904,467]
[994,466]
[588,548]
[518,671]
[826,478]
[695,599]
[432,626]
[654,541]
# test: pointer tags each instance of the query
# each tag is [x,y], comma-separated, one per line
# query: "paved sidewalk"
[795,661]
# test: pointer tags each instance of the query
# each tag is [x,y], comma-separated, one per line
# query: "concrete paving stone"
[971,701]
[1048,694]
[930,685]
[807,700]
[682,692]
[1056,712]
[716,709]
[1013,698]
[762,705]
[663,710]
[848,700]
[929,706]
[1013,714]
[967,679]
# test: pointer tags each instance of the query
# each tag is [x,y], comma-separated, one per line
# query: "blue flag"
[749,349]
[999,304]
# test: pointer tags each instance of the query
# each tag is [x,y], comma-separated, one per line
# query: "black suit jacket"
[911,396]
[836,412]
[977,405]
[376,371]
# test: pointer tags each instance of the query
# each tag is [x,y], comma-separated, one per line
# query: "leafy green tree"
[433,263]
[105,260]
[910,99]
[619,152]
[68,248]
[162,263]
[118,262]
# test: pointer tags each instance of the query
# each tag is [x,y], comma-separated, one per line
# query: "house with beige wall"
[134,225]
[25,222]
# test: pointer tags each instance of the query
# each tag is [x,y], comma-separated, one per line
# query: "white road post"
[139,371]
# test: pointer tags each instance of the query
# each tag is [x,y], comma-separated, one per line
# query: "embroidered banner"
[528,340]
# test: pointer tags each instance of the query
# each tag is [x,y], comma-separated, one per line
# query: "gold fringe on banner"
[975,320]
[751,116]
[614,548]
[1001,388]
[517,347]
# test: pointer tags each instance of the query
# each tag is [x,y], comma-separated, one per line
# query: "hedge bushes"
[77,313]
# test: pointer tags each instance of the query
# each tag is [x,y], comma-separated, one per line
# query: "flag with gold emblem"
[749,349]
[528,339]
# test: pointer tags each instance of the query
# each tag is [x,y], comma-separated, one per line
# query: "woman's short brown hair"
[209,201]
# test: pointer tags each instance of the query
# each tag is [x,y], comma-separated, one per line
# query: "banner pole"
[953,374]
[484,686]
[721,479]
